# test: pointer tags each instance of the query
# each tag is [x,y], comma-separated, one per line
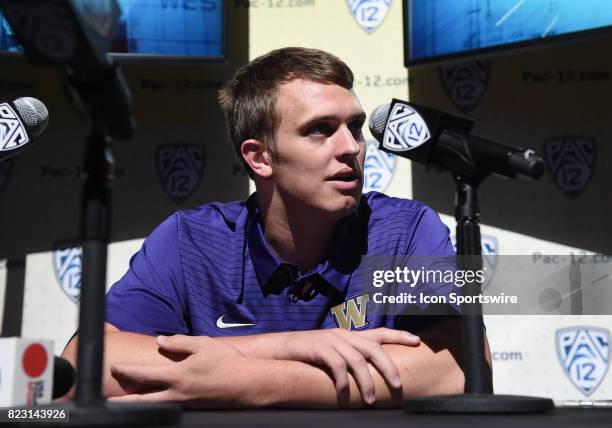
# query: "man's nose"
[347,144]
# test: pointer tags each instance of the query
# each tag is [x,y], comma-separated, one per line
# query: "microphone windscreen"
[378,120]
[63,377]
[34,114]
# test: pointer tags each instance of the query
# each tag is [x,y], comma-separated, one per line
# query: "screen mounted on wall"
[438,30]
[153,28]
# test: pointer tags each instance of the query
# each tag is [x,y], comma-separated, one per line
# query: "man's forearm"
[431,368]
[123,347]
[297,384]
[294,383]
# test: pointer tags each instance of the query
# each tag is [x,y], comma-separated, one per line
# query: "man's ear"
[256,155]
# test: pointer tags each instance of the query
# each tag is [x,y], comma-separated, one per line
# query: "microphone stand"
[478,396]
[98,89]
[89,407]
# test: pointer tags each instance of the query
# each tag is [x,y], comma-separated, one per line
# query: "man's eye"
[356,128]
[320,130]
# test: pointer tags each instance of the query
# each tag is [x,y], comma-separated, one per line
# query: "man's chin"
[346,205]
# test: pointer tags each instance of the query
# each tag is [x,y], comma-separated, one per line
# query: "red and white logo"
[34,361]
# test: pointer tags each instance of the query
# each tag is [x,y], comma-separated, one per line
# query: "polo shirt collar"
[342,258]
[265,263]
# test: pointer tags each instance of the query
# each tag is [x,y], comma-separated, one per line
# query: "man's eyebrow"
[359,116]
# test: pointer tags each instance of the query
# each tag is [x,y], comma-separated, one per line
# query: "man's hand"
[339,351]
[206,372]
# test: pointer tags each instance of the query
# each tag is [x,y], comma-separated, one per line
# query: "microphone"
[20,121]
[27,374]
[26,371]
[431,136]
[75,35]
[63,377]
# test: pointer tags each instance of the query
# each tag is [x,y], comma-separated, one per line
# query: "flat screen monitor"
[440,30]
[181,29]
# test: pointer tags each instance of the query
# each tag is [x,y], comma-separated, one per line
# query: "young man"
[274,282]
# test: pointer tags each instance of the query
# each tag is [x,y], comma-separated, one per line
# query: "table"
[391,418]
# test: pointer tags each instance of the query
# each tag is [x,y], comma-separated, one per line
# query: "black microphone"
[430,136]
[20,121]
[63,377]
[75,35]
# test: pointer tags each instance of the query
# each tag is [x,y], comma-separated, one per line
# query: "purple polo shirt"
[210,271]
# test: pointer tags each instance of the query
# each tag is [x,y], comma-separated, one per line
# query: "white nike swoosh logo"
[221,324]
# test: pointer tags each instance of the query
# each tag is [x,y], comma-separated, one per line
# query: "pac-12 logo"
[405,129]
[180,167]
[570,160]
[67,263]
[12,132]
[584,353]
[465,83]
[100,14]
[6,167]
[490,250]
[369,14]
[378,168]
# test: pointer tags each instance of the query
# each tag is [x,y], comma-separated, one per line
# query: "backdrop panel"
[53,285]
[550,356]
[554,101]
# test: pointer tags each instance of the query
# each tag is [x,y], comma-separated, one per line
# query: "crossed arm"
[322,369]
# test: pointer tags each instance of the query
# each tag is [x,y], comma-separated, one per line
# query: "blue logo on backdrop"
[465,83]
[6,167]
[378,168]
[99,15]
[369,14]
[490,250]
[67,262]
[180,167]
[584,353]
[570,160]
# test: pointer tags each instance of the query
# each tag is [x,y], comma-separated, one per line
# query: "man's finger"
[379,359]
[144,374]
[147,397]
[390,336]
[338,368]
[359,369]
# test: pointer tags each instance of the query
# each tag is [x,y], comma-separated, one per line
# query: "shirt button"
[307,287]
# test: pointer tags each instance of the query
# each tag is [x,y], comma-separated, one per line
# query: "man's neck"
[300,236]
